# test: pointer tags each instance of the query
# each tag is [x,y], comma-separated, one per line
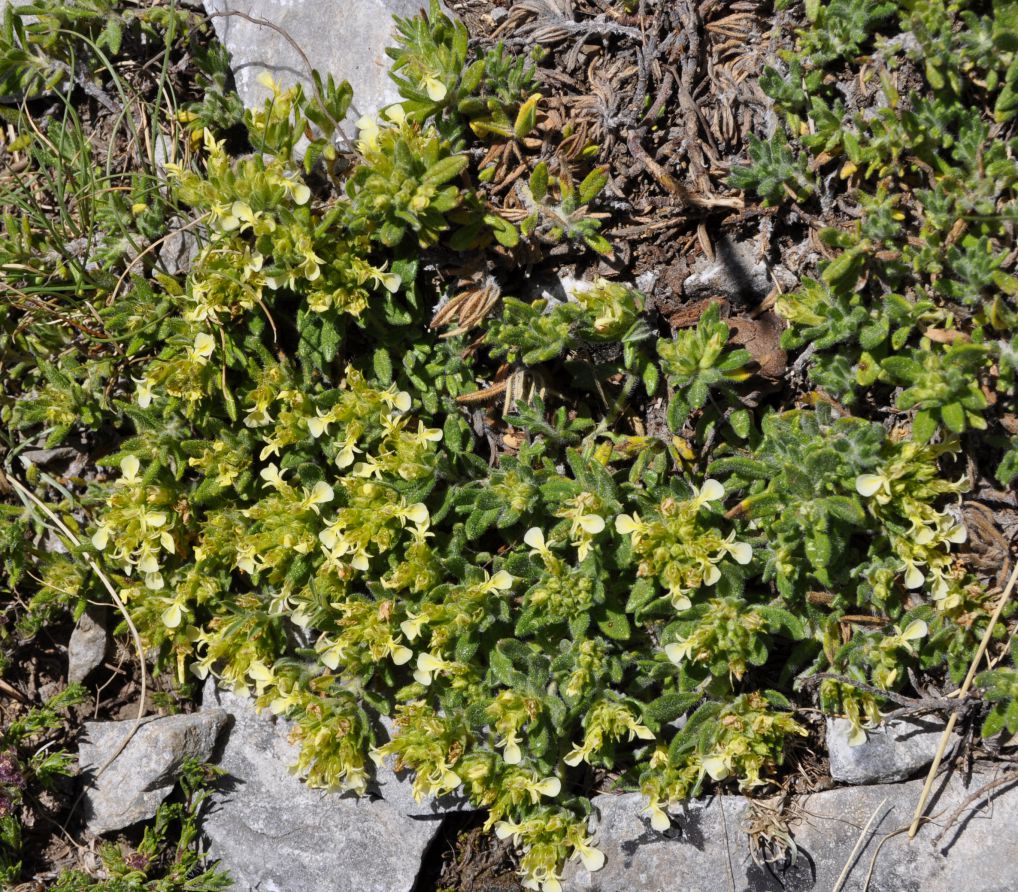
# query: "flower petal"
[742,552]
[402,401]
[550,787]
[711,491]
[675,652]
[659,819]
[958,535]
[534,537]
[593,859]
[129,466]
[429,662]
[625,524]
[204,344]
[716,767]
[172,616]
[574,757]
[868,484]
[502,581]
[321,493]
[915,630]
[512,754]
[914,577]
[435,88]
[417,513]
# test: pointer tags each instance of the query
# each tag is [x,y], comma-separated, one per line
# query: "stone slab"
[977,853]
[133,785]
[897,750]
[346,38]
[275,834]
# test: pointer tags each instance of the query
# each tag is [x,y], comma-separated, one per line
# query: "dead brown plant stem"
[1010,777]
[962,691]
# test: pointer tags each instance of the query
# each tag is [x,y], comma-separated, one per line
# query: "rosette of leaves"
[430,63]
[775,172]
[605,313]
[557,208]
[405,184]
[29,765]
[943,386]
[698,360]
[804,484]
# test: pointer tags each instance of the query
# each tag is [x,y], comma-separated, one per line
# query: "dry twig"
[859,843]
[962,691]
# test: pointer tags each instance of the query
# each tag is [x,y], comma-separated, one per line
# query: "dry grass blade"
[26,493]
[859,843]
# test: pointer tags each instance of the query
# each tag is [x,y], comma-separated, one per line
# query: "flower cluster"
[681,549]
[900,489]
[140,522]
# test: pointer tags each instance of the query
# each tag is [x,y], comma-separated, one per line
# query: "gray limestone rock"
[346,39]
[274,834]
[736,273]
[88,644]
[131,787]
[976,853]
[178,251]
[897,750]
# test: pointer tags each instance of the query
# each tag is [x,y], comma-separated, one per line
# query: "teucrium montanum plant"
[305,512]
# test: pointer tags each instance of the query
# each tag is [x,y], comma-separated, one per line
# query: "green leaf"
[592,184]
[846,508]
[741,422]
[781,620]
[994,723]
[479,522]
[599,244]
[471,78]
[539,181]
[447,169]
[924,426]
[842,272]
[526,118]
[669,707]
[615,624]
[953,415]
[903,369]
[578,625]
[382,364]
[505,233]
[641,594]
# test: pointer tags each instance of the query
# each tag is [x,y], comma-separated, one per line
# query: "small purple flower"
[137,861]
[6,806]
[10,771]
